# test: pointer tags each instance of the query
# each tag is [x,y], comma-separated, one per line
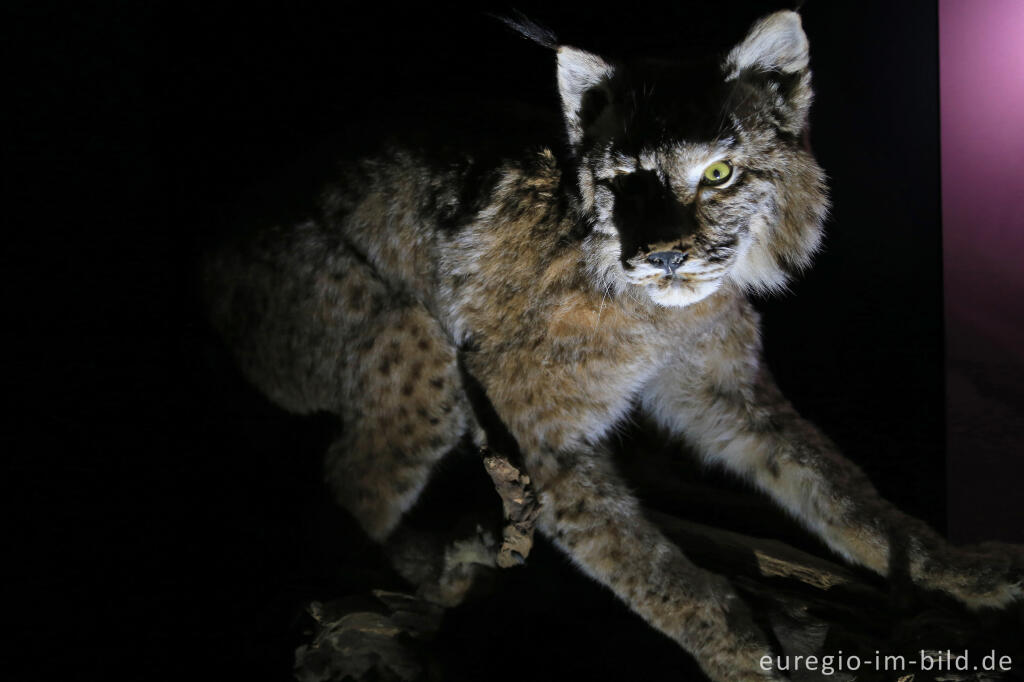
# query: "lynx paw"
[740,650]
[468,565]
[986,575]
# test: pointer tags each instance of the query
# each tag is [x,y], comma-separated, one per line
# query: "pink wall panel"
[981,70]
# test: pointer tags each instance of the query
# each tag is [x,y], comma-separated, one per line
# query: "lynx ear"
[774,43]
[582,81]
[772,64]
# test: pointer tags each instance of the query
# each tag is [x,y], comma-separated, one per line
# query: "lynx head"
[694,175]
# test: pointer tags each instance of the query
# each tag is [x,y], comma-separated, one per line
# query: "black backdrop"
[166,517]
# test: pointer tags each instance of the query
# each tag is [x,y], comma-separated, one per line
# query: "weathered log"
[519,504]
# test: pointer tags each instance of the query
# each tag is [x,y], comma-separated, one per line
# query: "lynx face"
[694,176]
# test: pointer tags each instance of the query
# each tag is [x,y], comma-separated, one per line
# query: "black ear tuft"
[530,29]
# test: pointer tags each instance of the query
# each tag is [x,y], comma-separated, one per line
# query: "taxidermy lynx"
[573,289]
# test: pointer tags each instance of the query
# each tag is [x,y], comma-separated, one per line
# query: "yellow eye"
[717,173]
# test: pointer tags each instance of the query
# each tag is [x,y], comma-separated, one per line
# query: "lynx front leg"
[734,414]
[588,513]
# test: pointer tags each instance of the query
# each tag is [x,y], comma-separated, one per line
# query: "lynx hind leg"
[405,411]
[589,513]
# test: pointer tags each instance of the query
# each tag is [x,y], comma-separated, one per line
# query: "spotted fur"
[541,273]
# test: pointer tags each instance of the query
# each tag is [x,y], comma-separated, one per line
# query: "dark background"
[166,519]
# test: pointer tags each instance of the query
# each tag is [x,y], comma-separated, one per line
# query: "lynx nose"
[667,260]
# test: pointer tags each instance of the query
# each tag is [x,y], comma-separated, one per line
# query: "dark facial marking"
[647,212]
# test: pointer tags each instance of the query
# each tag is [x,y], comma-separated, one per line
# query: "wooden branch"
[519,504]
[772,559]
[815,606]
[368,639]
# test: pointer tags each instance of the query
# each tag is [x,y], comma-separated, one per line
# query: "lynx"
[574,289]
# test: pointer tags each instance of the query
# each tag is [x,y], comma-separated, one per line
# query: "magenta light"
[981,85]
[981,80]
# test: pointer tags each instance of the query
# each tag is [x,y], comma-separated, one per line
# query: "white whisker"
[600,310]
